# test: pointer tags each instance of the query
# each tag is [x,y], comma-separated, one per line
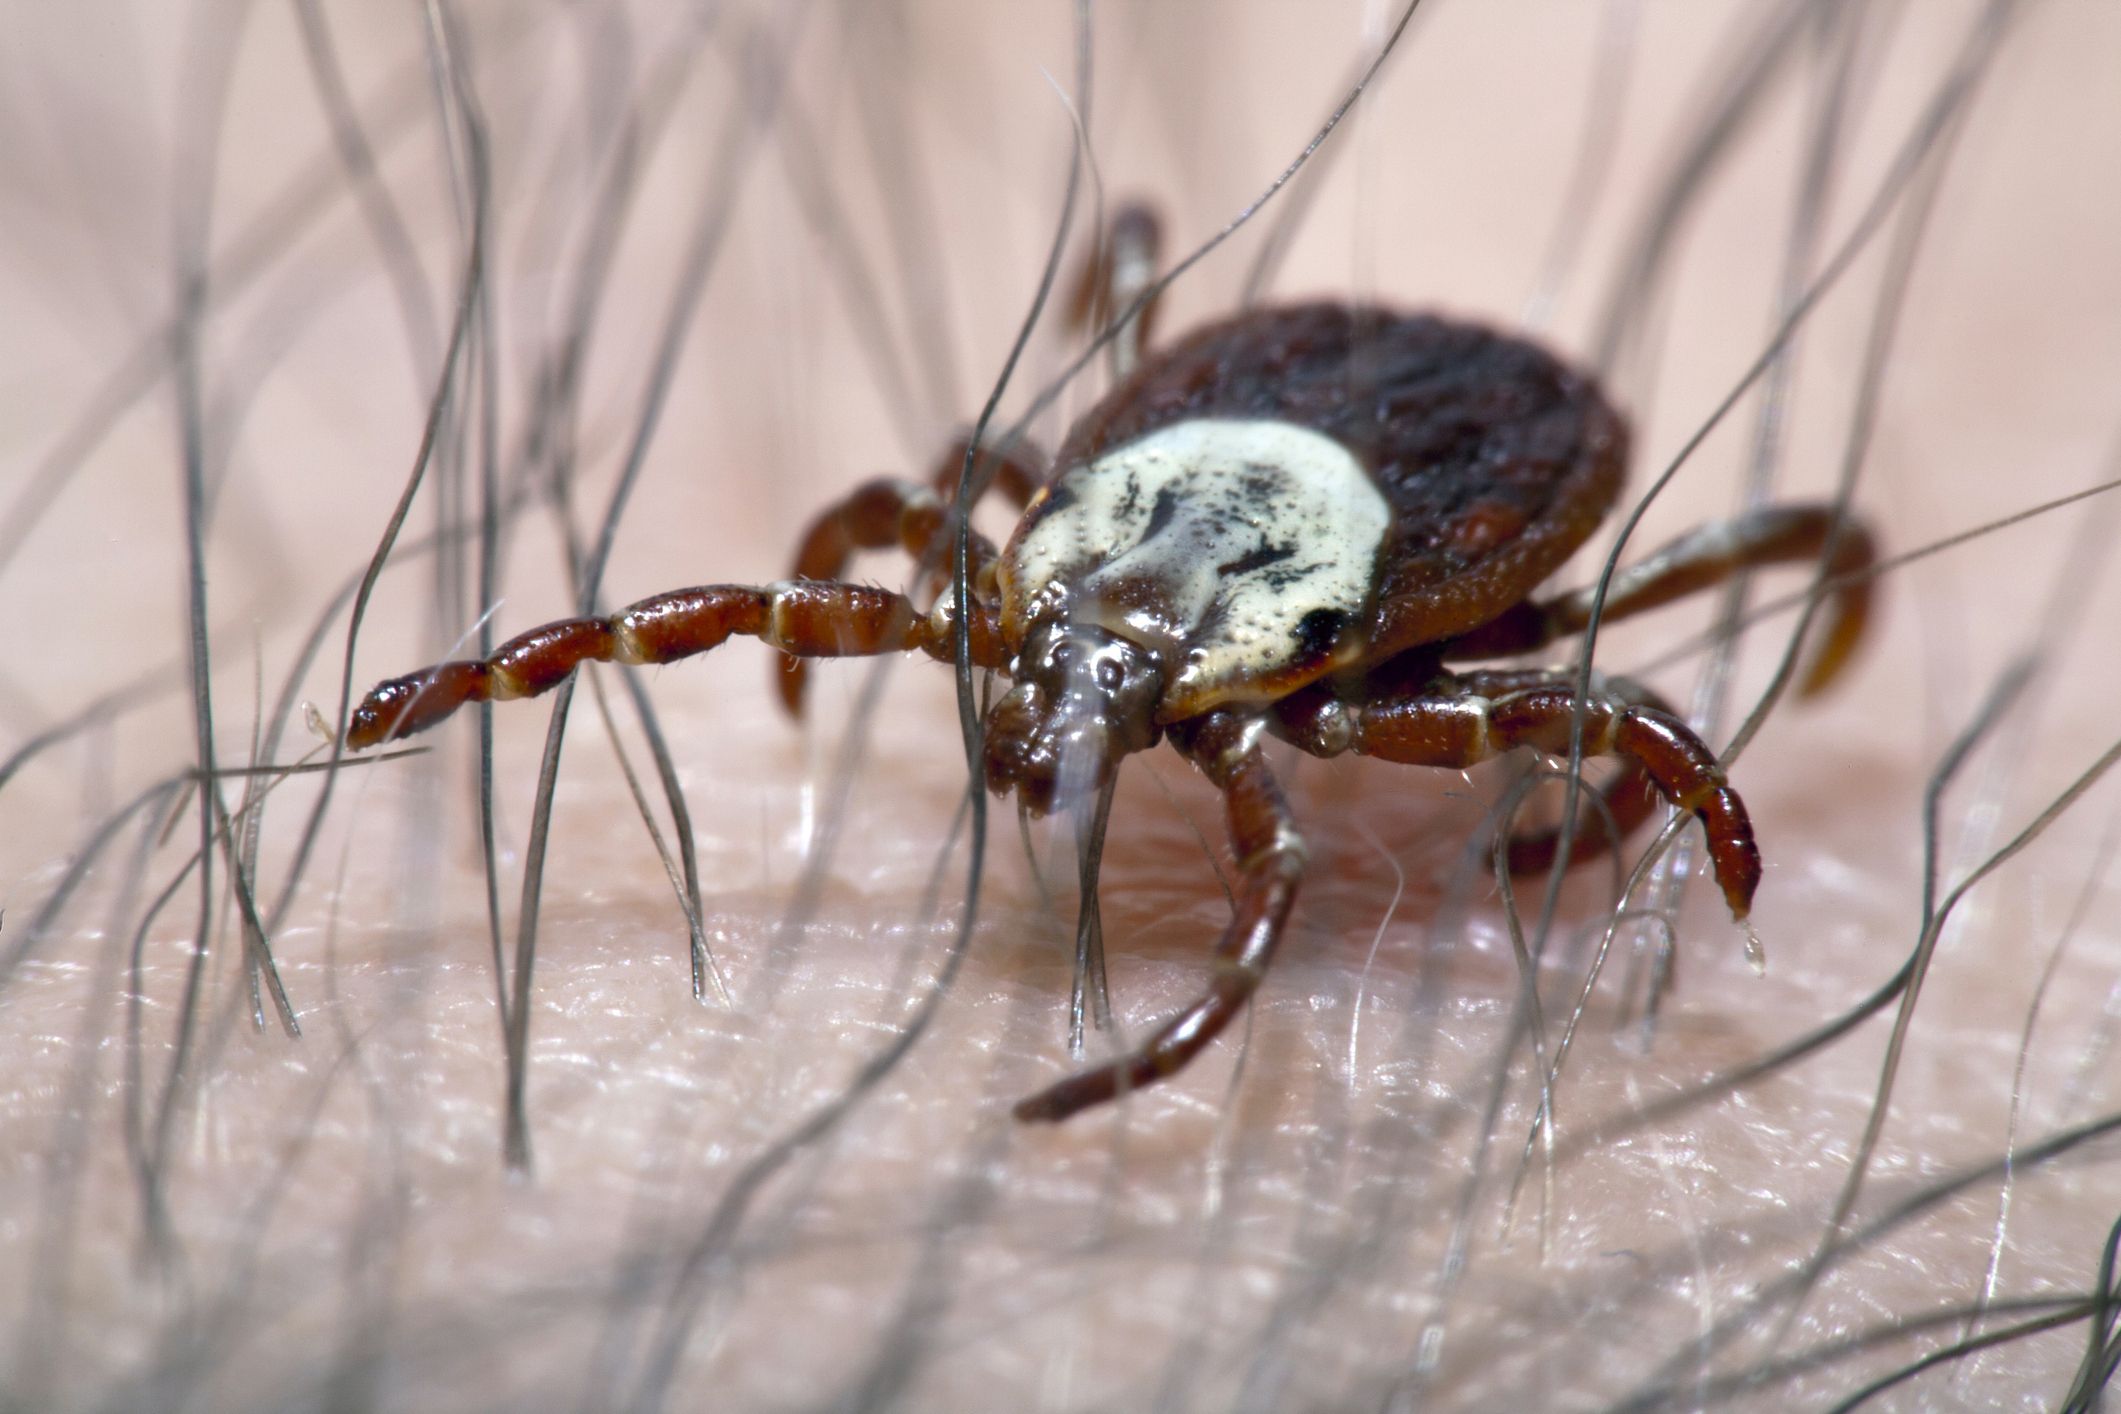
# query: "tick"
[1286,524]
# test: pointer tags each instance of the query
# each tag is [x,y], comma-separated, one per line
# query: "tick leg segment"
[1700,559]
[1120,272]
[1270,863]
[1017,473]
[894,511]
[891,511]
[807,618]
[1628,798]
[877,515]
[1459,720]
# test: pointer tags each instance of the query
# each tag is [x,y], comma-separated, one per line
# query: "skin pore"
[1320,1211]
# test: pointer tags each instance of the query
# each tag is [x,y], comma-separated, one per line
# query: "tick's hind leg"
[891,511]
[1701,559]
[1270,863]
[1458,720]
[808,619]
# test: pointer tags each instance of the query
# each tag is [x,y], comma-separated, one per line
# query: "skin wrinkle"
[340,1213]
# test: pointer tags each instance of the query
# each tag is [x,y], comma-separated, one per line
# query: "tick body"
[1286,524]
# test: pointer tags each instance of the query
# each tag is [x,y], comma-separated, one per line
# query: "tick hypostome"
[1288,524]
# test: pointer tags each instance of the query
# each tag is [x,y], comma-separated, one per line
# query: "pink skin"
[362,1167]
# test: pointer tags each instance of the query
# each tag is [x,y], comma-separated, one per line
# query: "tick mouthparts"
[1047,757]
[1011,748]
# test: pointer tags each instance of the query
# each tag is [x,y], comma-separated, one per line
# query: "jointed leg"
[894,511]
[1773,535]
[801,617]
[1460,720]
[1270,864]
[891,511]
[1121,272]
[1626,800]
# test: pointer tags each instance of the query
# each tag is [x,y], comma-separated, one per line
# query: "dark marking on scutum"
[1133,497]
[1260,481]
[1319,630]
[1160,515]
[1257,560]
[1058,499]
[1290,576]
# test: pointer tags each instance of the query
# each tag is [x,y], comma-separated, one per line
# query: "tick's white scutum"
[1208,541]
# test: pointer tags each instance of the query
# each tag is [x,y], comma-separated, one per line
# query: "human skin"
[1313,1214]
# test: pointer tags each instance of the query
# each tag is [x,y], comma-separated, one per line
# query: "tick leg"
[1460,720]
[891,511]
[877,515]
[1270,862]
[1700,559]
[1119,273]
[1627,799]
[1017,475]
[808,618]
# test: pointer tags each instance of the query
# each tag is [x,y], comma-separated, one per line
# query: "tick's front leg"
[890,511]
[804,618]
[1270,863]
